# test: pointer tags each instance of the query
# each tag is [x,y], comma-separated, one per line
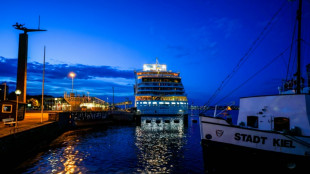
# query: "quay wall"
[19,146]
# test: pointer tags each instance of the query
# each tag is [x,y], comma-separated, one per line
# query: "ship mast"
[298,87]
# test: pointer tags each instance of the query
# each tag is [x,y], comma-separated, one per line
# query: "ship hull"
[251,147]
[162,110]
[229,158]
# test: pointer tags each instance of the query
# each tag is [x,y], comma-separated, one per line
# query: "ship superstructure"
[159,92]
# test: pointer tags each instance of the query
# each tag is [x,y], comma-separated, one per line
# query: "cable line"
[255,74]
[244,58]
[289,60]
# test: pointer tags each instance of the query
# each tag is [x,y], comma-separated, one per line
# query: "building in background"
[4,91]
[56,104]
[85,103]
[67,103]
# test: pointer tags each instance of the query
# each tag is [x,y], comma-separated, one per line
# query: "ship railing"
[160,94]
[166,95]
[157,90]
[159,75]
[160,84]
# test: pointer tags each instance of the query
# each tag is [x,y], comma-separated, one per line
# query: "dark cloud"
[88,79]
[60,71]
[8,68]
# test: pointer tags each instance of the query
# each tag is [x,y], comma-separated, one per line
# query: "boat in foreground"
[275,128]
[272,132]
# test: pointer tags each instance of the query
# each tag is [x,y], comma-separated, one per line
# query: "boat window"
[6,108]
[281,123]
[252,121]
[161,103]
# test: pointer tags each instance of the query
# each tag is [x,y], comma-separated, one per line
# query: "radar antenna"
[21,27]
[157,64]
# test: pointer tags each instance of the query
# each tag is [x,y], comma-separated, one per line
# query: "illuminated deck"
[159,91]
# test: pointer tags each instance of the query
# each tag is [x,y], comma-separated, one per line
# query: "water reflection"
[159,140]
[158,145]
[64,157]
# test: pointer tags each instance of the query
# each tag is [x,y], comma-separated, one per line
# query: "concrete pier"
[18,144]
[32,120]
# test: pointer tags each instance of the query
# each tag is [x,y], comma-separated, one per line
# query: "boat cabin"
[276,113]
[8,110]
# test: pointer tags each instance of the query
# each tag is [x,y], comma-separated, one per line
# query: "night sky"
[103,42]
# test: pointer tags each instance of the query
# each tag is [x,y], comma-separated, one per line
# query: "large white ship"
[159,92]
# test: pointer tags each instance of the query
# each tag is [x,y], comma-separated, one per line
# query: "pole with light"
[108,103]
[42,101]
[72,75]
[17,92]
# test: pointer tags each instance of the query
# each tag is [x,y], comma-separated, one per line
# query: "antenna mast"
[298,87]
[39,23]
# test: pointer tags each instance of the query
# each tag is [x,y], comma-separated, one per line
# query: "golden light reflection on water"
[69,159]
[155,147]
[157,141]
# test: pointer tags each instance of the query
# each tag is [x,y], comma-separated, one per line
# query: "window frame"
[7,112]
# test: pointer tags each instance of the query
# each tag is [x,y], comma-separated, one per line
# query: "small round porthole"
[208,136]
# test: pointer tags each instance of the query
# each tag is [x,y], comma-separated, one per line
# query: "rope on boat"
[298,140]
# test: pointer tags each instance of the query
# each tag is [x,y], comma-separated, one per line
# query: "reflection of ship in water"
[166,124]
[159,141]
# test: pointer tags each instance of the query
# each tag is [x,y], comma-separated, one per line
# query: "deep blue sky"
[105,41]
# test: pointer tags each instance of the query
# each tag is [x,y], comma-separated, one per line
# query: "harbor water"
[165,146]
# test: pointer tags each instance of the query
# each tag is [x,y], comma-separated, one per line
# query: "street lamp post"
[72,75]
[108,103]
[17,92]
